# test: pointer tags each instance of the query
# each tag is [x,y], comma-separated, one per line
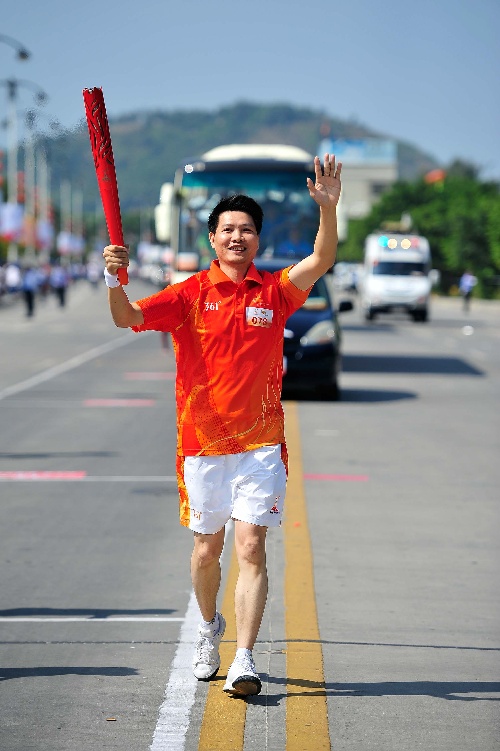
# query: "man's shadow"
[449,690]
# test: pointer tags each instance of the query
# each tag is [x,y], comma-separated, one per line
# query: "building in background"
[369,168]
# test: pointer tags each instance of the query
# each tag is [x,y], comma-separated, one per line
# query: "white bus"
[274,175]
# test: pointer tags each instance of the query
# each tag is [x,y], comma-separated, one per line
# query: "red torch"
[102,151]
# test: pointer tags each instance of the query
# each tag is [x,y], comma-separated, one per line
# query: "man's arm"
[326,192]
[124,313]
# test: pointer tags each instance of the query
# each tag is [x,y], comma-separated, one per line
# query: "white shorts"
[248,487]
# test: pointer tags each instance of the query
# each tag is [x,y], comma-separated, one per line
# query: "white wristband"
[111,279]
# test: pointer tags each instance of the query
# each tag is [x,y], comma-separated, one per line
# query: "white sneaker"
[206,660]
[242,678]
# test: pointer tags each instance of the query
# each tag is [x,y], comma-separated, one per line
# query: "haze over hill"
[148,146]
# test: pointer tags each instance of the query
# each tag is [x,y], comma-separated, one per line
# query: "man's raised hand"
[326,188]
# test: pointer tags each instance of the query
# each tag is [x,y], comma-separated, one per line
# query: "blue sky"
[425,72]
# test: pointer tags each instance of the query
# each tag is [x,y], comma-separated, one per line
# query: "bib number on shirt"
[259,317]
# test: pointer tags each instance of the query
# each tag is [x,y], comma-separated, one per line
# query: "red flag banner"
[102,151]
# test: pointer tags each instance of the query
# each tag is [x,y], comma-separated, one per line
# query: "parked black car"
[312,345]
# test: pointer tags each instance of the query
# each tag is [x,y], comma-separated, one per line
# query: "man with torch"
[227,324]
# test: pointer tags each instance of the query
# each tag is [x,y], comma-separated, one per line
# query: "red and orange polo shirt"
[228,342]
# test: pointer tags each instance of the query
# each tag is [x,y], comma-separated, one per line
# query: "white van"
[396,275]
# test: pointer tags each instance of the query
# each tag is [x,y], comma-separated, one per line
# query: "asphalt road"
[401,485]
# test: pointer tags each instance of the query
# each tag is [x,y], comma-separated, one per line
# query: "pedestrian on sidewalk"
[30,284]
[59,280]
[227,323]
[13,278]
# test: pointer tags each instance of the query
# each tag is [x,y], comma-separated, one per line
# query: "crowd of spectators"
[31,282]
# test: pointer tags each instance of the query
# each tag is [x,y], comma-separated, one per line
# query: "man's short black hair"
[236,203]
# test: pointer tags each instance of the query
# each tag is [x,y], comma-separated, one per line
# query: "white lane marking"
[89,619]
[71,364]
[174,714]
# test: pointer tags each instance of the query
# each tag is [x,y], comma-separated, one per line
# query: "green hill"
[148,146]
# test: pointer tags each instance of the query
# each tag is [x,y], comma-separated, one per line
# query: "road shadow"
[448,690]
[376,395]
[389,365]
[351,395]
[84,612]
[457,324]
[8,674]
[385,328]
[409,364]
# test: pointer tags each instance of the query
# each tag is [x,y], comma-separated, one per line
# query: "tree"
[460,216]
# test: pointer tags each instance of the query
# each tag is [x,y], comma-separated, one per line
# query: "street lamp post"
[44,223]
[12,186]
[41,98]
[22,52]
[29,188]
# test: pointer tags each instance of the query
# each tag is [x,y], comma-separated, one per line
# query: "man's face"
[235,240]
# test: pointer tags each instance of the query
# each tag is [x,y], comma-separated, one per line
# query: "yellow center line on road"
[306,708]
[223,724]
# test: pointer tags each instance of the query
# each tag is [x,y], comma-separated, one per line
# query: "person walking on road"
[227,324]
[467,283]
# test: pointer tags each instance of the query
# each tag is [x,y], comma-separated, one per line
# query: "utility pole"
[21,54]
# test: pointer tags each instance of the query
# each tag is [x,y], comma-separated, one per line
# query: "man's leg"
[205,570]
[251,588]
[249,601]
[205,574]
